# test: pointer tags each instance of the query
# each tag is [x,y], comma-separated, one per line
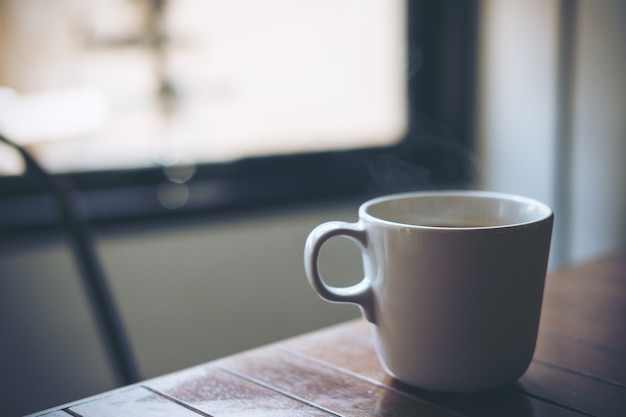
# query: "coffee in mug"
[453,284]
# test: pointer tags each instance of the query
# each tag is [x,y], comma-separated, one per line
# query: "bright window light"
[113,84]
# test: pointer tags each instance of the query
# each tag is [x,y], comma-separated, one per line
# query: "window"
[155,106]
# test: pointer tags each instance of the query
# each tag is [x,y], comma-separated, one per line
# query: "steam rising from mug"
[431,157]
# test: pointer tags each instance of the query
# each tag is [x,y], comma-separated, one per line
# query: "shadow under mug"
[453,284]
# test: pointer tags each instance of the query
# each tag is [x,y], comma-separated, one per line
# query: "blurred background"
[205,139]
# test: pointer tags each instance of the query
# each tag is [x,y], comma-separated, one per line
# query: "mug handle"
[360,293]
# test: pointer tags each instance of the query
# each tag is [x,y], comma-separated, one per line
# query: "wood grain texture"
[354,353]
[136,401]
[339,392]
[577,356]
[218,393]
[573,390]
[608,335]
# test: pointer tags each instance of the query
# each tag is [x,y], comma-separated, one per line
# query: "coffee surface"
[461,225]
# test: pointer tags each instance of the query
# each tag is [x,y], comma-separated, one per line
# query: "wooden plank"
[590,281]
[609,268]
[133,402]
[325,387]
[593,361]
[218,393]
[573,390]
[599,276]
[58,413]
[350,349]
[595,332]
[609,307]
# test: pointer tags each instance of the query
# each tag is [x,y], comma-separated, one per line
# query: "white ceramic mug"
[453,284]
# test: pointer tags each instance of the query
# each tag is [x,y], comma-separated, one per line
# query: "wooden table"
[579,368]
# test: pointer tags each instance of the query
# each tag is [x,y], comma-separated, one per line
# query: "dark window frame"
[436,152]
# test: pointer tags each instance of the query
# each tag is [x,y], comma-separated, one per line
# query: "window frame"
[442,57]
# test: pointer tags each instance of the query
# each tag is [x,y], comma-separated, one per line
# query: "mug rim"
[546,212]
